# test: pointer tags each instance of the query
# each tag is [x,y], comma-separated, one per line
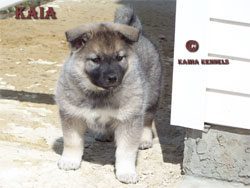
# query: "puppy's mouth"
[110,86]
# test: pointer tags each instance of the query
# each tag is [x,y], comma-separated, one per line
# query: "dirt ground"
[31,55]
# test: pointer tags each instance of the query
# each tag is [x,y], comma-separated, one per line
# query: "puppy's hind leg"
[73,136]
[147,134]
[105,136]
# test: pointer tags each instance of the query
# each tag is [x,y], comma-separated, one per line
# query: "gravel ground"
[31,56]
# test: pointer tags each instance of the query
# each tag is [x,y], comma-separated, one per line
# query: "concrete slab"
[198,182]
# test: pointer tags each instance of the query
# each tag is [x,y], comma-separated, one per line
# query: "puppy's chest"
[100,117]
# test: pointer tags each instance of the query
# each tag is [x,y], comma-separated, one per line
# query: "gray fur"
[128,110]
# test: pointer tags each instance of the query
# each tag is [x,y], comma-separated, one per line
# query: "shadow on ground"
[94,152]
[25,96]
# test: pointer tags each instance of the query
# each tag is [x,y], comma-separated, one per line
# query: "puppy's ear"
[78,37]
[80,41]
[129,32]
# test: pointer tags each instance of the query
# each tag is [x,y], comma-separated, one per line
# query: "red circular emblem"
[192,45]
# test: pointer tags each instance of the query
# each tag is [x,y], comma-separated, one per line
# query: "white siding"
[224,88]
[231,10]
[225,108]
[234,77]
[229,40]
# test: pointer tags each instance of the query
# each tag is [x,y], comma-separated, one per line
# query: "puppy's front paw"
[127,177]
[67,163]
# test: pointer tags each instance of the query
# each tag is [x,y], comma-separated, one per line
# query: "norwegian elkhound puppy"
[110,82]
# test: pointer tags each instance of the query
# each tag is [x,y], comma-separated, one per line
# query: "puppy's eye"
[119,58]
[96,59]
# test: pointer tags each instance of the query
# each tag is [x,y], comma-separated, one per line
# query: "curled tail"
[125,15]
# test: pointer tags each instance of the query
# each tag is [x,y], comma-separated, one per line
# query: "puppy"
[110,83]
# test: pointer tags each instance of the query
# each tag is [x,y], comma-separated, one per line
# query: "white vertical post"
[188,88]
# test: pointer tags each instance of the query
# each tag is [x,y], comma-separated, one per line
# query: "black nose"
[112,78]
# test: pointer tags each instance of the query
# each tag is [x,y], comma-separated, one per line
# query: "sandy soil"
[31,56]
